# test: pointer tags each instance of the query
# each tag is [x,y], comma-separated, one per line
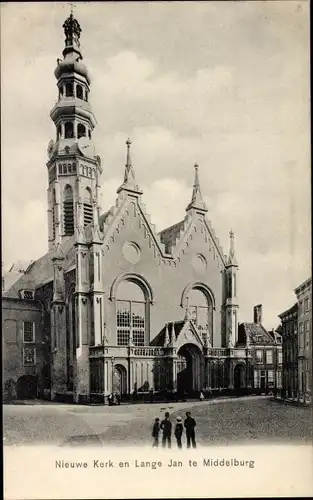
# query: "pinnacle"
[196,198]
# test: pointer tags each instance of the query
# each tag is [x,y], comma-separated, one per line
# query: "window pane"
[29,356]
[269,357]
[138,322]
[28,331]
[123,313]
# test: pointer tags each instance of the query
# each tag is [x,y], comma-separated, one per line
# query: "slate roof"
[38,272]
[159,339]
[169,235]
[256,332]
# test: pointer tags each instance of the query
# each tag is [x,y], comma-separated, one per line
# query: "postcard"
[156,277]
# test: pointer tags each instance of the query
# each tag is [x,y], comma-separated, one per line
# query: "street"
[249,420]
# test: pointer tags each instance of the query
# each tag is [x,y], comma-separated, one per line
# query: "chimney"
[257,314]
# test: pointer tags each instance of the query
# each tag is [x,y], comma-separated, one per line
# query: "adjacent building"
[266,352]
[114,306]
[304,302]
[296,327]
[289,331]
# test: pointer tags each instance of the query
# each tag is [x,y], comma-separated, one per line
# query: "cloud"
[221,84]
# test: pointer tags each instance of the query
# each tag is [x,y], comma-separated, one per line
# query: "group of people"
[166,427]
[114,399]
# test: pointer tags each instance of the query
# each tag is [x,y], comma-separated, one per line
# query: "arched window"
[87,202]
[131,313]
[200,309]
[61,91]
[79,91]
[86,96]
[81,130]
[68,211]
[69,130]
[89,134]
[69,90]
[59,132]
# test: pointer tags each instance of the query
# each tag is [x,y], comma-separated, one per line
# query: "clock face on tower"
[86,146]
[50,148]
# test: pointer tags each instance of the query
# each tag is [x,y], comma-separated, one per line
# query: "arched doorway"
[189,369]
[27,387]
[239,377]
[119,380]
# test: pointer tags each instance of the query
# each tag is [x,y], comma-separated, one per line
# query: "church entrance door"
[189,369]
[239,377]
[119,380]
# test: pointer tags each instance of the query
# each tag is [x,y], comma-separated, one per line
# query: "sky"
[223,84]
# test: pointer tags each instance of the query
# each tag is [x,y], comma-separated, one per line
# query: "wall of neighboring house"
[267,367]
[22,345]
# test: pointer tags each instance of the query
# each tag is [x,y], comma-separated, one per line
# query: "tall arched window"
[69,130]
[68,211]
[81,130]
[59,132]
[79,91]
[131,313]
[200,309]
[87,203]
[69,90]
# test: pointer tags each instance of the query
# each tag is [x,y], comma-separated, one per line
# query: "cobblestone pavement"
[224,421]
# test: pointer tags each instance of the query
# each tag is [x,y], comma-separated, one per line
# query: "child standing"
[155,432]
[179,431]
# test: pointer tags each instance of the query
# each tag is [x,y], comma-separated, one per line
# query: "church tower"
[74,169]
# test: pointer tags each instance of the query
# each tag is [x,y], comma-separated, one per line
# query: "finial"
[196,198]
[72,30]
[166,336]
[232,261]
[128,158]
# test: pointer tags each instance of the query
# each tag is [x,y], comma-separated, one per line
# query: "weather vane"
[72,7]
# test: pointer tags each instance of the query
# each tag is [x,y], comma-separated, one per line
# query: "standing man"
[166,426]
[190,425]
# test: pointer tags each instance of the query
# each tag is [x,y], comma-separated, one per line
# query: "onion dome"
[71,64]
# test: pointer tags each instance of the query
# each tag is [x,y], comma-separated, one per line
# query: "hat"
[178,419]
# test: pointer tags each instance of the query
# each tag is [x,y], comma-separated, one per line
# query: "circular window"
[199,263]
[131,252]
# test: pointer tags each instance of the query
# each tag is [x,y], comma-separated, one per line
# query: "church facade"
[115,306]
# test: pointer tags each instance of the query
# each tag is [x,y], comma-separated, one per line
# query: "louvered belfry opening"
[88,215]
[68,211]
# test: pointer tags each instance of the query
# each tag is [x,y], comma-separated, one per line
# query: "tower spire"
[196,198]
[129,182]
[232,261]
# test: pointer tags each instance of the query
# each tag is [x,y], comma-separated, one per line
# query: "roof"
[159,339]
[169,235]
[38,272]
[20,266]
[291,310]
[306,284]
[257,333]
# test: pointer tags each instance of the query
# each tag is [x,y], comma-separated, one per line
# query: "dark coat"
[189,424]
[178,430]
[156,429]
[166,426]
